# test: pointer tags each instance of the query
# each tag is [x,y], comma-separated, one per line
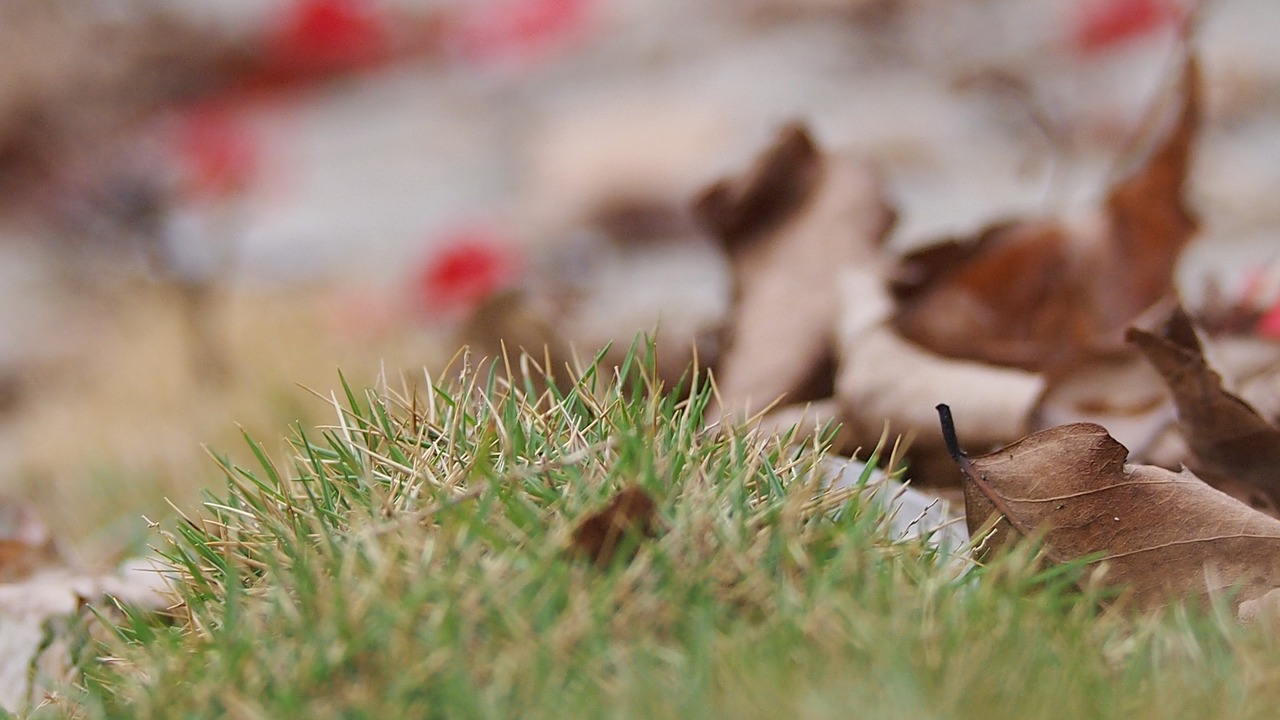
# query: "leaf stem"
[949,432]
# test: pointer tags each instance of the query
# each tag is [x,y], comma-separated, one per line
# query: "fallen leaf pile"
[1047,328]
[1053,331]
[1060,342]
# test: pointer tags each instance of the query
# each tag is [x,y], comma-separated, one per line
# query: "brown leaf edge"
[1148,207]
[632,512]
[1231,443]
[779,182]
[980,506]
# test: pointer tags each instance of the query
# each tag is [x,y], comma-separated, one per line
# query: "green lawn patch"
[410,561]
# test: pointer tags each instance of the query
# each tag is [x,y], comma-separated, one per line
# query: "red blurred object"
[1269,324]
[474,264]
[1251,296]
[319,37]
[1104,23]
[219,151]
[518,28]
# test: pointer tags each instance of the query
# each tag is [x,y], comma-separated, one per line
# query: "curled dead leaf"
[1163,536]
[1122,391]
[1232,446]
[777,185]
[1010,296]
[1038,294]
[789,224]
[631,513]
[1149,217]
[1250,366]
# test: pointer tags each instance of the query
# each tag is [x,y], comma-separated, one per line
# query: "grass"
[409,562]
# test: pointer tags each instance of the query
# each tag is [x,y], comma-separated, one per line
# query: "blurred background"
[205,206]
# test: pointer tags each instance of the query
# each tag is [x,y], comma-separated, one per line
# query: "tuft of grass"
[408,561]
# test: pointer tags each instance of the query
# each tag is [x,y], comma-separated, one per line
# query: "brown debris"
[1011,296]
[77,78]
[631,513]
[776,186]
[1148,213]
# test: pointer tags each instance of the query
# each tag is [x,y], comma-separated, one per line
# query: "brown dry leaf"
[1010,296]
[1232,446]
[631,512]
[883,377]
[1036,294]
[1164,536]
[1150,220]
[789,224]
